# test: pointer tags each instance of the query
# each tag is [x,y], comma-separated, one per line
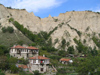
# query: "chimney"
[14,45]
[43,55]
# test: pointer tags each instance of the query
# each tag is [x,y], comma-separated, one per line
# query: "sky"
[44,8]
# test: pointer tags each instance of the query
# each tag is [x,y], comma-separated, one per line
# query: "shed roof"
[64,59]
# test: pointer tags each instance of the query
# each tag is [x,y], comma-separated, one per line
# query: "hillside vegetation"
[74,32]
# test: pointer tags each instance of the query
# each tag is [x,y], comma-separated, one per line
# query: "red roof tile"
[19,66]
[32,48]
[38,57]
[22,66]
[64,59]
[18,46]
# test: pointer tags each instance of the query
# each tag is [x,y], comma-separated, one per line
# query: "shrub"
[13,69]
[68,43]
[55,57]
[49,49]
[80,47]
[20,42]
[62,71]
[70,50]
[55,20]
[10,29]
[1,73]
[4,29]
[36,72]
[9,7]
[11,19]
[63,43]
[98,12]
[62,53]
[56,40]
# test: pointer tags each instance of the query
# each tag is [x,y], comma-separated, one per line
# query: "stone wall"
[39,67]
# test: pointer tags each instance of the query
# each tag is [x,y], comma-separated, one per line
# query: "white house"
[66,61]
[23,52]
[39,63]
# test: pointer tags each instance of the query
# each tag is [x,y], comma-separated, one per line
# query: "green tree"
[13,68]
[1,73]
[70,50]
[80,47]
[63,43]
[12,60]
[3,63]
[61,71]
[62,53]
[89,65]
[3,50]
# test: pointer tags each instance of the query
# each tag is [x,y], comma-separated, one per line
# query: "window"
[42,61]
[34,61]
[41,69]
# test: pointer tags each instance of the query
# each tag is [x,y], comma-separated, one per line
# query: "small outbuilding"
[66,61]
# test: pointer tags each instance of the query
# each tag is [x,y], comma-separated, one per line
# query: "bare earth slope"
[85,22]
[10,39]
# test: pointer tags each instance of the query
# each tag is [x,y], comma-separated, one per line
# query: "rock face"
[86,22]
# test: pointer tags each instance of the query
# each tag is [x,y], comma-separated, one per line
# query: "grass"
[9,39]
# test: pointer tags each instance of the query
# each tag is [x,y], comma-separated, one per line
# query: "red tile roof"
[32,48]
[38,57]
[18,46]
[21,47]
[64,59]
[19,66]
[22,66]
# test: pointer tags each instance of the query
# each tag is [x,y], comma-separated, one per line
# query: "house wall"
[23,55]
[38,67]
[31,55]
[13,52]
[64,62]
[37,61]
[25,69]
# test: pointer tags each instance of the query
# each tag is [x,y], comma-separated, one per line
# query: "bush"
[10,29]
[13,69]
[20,42]
[49,49]
[4,29]
[62,71]
[24,73]
[11,20]
[3,50]
[62,53]
[36,72]
[70,50]
[63,43]
[55,57]
[1,73]
[55,20]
